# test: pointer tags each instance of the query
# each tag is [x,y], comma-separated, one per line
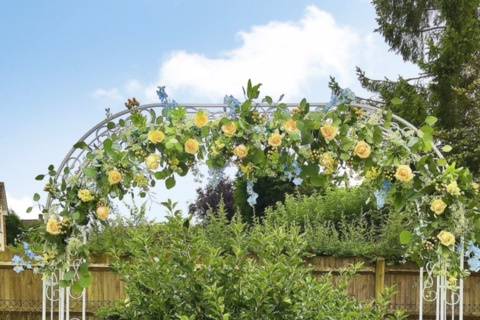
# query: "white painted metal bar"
[420,295]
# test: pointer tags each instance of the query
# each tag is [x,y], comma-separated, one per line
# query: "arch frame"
[95,136]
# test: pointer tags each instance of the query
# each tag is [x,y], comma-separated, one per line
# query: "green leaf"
[170,182]
[80,145]
[40,177]
[107,145]
[90,172]
[396,101]
[76,288]
[405,237]
[447,148]
[36,197]
[110,125]
[29,209]
[85,280]
[431,120]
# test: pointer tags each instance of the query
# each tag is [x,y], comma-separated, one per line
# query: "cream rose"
[229,129]
[191,146]
[240,151]
[54,226]
[404,173]
[275,140]
[446,238]
[156,136]
[362,150]
[329,132]
[201,119]
[114,177]
[438,206]
[153,161]
[103,212]
[291,126]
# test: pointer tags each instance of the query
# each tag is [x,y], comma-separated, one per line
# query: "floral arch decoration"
[314,145]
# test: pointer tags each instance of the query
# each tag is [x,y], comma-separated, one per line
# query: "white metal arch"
[55,296]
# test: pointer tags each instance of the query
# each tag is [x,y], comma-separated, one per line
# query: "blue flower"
[162,94]
[18,269]
[17,260]
[232,104]
[345,96]
[381,195]
[252,199]
[297,181]
[474,261]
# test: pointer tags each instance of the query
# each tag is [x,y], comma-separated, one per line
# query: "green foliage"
[15,227]
[227,271]
[343,222]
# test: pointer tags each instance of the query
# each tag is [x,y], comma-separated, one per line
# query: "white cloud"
[20,205]
[291,57]
[108,94]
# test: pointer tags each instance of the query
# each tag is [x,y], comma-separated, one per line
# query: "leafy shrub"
[15,227]
[342,222]
[226,271]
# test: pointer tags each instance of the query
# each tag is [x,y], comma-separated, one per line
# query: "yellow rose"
[438,206]
[404,173]
[241,151]
[201,119]
[446,238]
[453,188]
[156,136]
[291,126]
[191,146]
[153,161]
[114,177]
[103,212]
[275,140]
[229,129]
[85,195]
[363,150]
[329,132]
[53,226]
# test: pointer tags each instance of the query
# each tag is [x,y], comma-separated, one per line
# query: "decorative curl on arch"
[352,143]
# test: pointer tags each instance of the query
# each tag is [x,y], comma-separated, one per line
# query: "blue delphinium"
[20,264]
[473,254]
[252,195]
[381,194]
[294,174]
[232,105]
[167,103]
[345,96]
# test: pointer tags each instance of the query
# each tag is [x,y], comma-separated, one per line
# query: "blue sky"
[63,62]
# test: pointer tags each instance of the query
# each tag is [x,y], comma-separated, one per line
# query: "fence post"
[379,277]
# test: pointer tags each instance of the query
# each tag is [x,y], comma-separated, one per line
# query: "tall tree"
[443,38]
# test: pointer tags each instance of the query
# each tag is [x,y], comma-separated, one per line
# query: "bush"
[342,222]
[226,271]
[15,227]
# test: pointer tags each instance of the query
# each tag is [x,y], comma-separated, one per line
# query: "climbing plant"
[335,147]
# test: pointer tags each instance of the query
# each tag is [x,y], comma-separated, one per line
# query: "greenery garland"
[308,147]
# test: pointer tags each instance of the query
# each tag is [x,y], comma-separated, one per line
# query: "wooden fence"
[21,294]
